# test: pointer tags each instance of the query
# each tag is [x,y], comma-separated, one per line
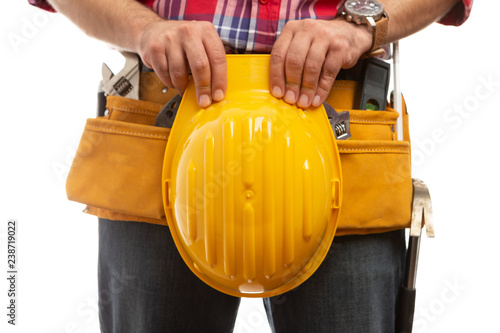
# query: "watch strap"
[379,35]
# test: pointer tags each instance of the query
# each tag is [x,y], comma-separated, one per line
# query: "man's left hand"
[309,54]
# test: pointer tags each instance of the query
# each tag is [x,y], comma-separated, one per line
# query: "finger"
[294,66]
[178,69]
[200,70]
[218,66]
[313,66]
[159,64]
[277,63]
[331,68]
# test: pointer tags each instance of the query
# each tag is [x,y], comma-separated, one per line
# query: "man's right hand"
[169,47]
[172,48]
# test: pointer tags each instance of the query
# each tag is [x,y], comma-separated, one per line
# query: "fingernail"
[303,101]
[276,92]
[218,95]
[204,101]
[316,101]
[289,97]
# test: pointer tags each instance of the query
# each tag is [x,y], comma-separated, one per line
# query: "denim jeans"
[144,286]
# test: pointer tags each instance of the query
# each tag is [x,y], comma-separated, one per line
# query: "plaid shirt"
[248,25]
[253,25]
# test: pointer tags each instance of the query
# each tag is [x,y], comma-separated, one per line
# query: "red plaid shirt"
[253,25]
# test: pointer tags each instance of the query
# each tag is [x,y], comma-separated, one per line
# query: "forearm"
[410,16]
[119,23]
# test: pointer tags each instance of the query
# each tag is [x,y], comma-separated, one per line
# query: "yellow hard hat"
[252,186]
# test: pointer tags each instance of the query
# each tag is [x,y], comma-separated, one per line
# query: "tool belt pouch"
[117,168]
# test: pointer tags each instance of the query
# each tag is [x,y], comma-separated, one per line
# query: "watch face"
[364,7]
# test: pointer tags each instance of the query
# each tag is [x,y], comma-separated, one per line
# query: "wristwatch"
[371,13]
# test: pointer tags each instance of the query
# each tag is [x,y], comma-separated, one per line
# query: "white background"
[49,75]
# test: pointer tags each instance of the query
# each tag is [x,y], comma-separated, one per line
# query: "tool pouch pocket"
[117,168]
[377,186]
[376,170]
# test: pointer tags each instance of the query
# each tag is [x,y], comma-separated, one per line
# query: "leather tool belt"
[117,169]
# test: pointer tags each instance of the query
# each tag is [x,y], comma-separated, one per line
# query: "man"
[355,288]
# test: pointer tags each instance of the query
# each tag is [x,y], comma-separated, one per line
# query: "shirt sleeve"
[43,4]
[458,14]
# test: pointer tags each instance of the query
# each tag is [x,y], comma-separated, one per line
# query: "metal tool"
[126,82]
[167,114]
[421,216]
[340,122]
[398,101]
